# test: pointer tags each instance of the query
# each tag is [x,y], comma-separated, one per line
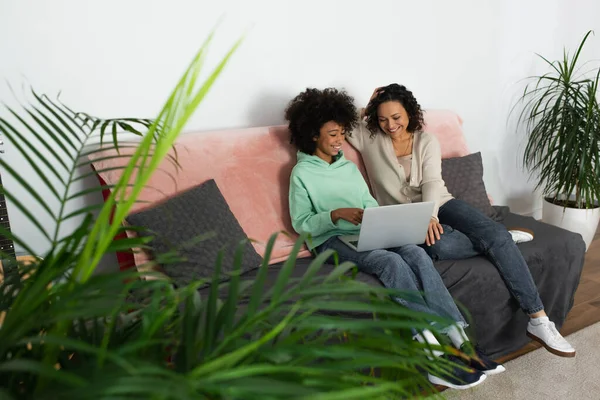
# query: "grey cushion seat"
[555,258]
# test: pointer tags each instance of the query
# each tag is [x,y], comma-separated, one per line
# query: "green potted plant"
[68,333]
[561,117]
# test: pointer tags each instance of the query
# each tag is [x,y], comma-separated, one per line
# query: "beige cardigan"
[387,178]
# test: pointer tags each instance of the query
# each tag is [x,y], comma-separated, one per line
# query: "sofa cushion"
[464,179]
[178,222]
[301,267]
[555,258]
[447,128]
[252,167]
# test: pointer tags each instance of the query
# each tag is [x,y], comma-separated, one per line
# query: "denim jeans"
[468,233]
[405,268]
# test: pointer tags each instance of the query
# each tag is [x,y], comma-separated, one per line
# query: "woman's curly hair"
[401,94]
[313,108]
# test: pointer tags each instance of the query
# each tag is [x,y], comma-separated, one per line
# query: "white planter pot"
[582,221]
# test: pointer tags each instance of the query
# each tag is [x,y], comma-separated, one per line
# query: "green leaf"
[231,304]
[211,328]
[285,272]
[41,369]
[189,349]
[366,392]
[233,357]
[256,297]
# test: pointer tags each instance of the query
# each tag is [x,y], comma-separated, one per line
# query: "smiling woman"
[456,230]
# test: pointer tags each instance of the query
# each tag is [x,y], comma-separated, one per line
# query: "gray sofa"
[262,165]
[555,258]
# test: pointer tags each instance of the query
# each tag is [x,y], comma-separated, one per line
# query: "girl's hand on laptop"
[434,232]
[352,215]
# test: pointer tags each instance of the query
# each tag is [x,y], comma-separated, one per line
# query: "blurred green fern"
[69,333]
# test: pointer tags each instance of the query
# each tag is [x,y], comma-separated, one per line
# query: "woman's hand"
[375,93]
[433,232]
[352,215]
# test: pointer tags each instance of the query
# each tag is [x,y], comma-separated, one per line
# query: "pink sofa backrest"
[252,168]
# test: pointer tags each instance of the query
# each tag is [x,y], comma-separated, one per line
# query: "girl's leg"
[435,293]
[394,272]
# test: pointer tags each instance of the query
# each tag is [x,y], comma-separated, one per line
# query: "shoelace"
[555,337]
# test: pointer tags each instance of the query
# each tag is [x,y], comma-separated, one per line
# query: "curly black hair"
[401,94]
[313,108]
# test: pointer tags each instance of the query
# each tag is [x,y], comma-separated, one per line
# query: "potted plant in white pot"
[561,117]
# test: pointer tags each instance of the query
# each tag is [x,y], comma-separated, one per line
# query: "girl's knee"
[377,259]
[414,252]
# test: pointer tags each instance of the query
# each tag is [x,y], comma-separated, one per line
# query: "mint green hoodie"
[317,188]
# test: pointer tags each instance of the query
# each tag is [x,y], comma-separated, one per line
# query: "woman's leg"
[395,272]
[453,245]
[492,239]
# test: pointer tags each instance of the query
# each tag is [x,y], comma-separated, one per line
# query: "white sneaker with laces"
[521,235]
[548,336]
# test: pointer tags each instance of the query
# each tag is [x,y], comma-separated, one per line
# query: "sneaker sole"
[498,370]
[525,232]
[550,349]
[439,381]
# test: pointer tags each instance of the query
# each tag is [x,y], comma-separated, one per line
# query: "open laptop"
[391,226]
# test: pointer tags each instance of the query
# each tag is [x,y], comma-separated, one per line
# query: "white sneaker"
[521,235]
[548,336]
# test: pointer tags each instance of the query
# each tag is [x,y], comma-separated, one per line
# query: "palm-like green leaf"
[67,333]
[560,114]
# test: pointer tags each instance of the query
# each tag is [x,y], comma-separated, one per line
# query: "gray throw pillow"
[464,179]
[178,222]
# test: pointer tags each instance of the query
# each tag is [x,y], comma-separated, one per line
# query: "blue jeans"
[404,268]
[468,233]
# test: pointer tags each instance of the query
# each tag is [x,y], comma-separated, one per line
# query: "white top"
[388,179]
[405,162]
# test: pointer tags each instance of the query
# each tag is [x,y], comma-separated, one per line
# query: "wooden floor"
[586,307]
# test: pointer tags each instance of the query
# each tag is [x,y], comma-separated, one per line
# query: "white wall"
[121,58]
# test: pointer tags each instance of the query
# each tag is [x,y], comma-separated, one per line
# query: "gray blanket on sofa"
[555,258]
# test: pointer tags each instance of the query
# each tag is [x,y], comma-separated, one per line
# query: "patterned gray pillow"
[178,222]
[464,179]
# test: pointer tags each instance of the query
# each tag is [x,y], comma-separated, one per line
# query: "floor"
[586,307]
